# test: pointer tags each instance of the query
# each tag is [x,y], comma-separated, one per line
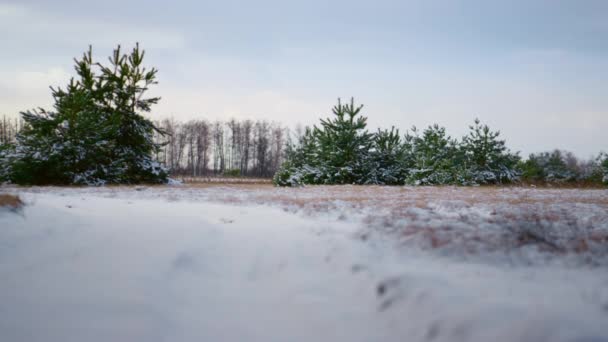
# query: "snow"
[258,263]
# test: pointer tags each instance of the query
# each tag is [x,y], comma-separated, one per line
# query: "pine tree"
[486,158]
[302,164]
[386,162]
[96,133]
[343,142]
[333,153]
[605,167]
[551,167]
[432,156]
[531,169]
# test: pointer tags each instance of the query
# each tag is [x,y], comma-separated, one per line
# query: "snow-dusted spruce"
[96,133]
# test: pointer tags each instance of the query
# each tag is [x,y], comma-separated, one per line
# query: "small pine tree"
[386,162]
[97,133]
[343,142]
[605,167]
[531,169]
[485,158]
[302,165]
[333,153]
[552,167]
[432,156]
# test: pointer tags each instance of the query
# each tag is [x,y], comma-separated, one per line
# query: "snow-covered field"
[258,263]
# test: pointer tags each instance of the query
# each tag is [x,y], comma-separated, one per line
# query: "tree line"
[340,150]
[9,128]
[97,133]
[221,148]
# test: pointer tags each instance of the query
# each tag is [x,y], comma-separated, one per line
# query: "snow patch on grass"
[231,264]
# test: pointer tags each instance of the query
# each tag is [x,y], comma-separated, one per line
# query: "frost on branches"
[341,151]
[96,133]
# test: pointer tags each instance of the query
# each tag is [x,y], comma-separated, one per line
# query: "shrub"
[561,167]
[232,173]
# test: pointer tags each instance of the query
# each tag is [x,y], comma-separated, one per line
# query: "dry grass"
[10,201]
[224,180]
[467,219]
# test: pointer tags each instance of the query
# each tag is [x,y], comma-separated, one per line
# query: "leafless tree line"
[204,148]
[9,127]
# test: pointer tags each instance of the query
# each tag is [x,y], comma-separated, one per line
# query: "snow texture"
[258,263]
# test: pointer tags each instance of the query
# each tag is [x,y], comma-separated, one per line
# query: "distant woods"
[9,127]
[222,148]
[203,148]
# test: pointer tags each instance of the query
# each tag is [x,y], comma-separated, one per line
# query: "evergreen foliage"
[342,143]
[334,153]
[604,165]
[548,167]
[96,133]
[486,159]
[432,156]
[387,160]
[341,151]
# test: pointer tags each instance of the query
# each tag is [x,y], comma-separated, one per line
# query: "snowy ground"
[257,263]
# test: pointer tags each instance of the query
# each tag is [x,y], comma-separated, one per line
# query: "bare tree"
[253,148]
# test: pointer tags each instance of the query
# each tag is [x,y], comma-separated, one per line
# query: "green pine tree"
[432,156]
[605,167]
[96,133]
[343,143]
[485,157]
[386,162]
[333,153]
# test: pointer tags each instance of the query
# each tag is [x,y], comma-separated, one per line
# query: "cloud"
[36,80]
[11,10]
[37,28]
[22,89]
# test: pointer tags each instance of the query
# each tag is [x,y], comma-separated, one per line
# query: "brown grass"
[10,201]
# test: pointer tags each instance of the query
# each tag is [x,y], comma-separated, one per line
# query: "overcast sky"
[536,70]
